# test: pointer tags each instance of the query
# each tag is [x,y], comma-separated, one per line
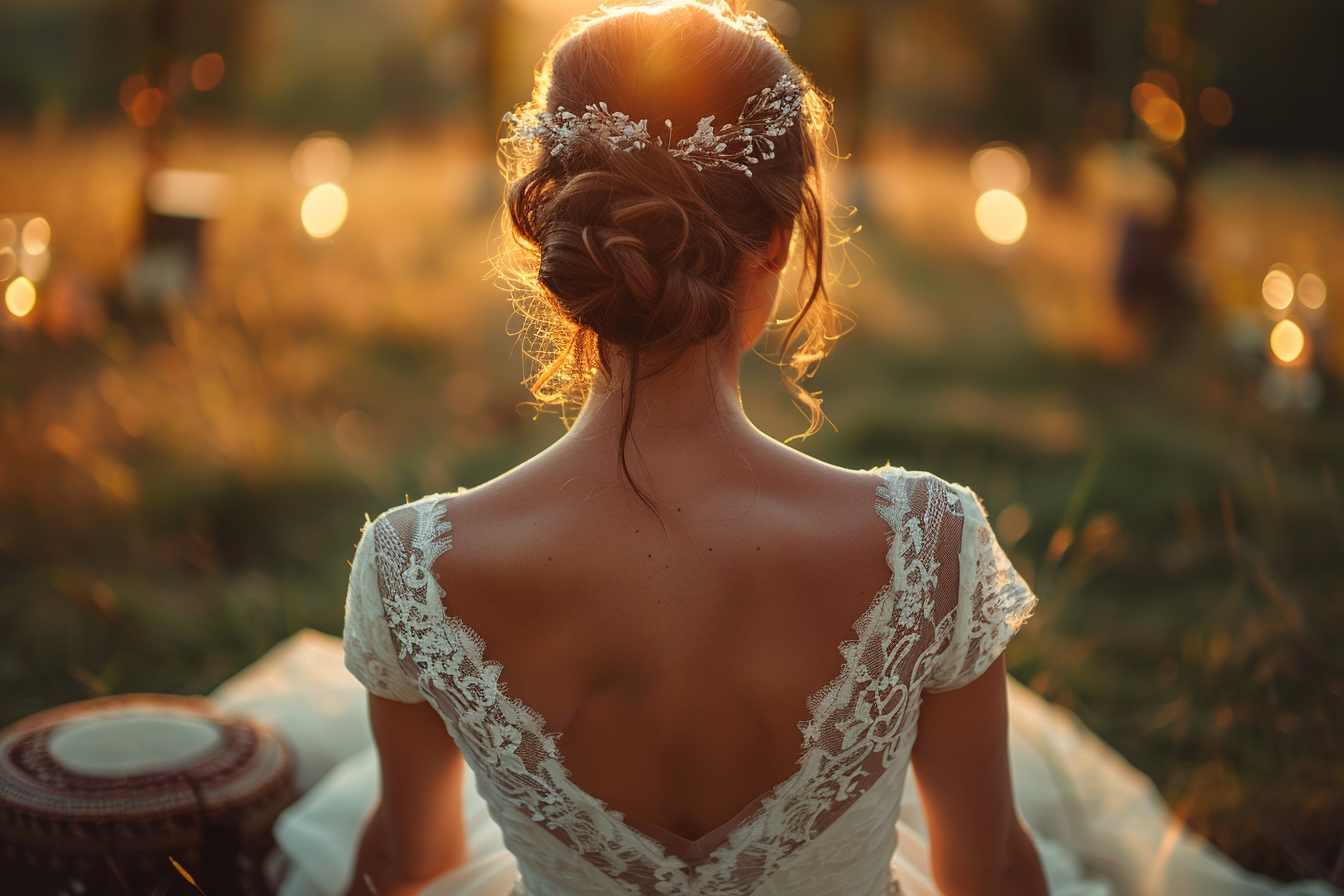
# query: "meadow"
[181,490]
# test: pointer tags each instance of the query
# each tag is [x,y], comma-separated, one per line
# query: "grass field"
[180,493]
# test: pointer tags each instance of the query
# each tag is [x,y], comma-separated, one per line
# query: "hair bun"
[631,266]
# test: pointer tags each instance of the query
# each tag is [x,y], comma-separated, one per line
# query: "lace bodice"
[828,829]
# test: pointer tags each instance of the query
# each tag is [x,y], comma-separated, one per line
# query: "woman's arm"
[416,832]
[977,842]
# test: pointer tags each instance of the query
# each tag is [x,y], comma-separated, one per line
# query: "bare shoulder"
[510,493]
[536,497]
[812,480]
[840,493]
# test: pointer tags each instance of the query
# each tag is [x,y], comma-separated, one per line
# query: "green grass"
[1193,618]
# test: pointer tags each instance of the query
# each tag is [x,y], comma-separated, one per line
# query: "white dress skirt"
[1100,824]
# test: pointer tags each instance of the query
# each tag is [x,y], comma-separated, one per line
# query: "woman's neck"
[687,413]
[696,391]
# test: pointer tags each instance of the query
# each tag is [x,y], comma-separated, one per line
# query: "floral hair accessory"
[737,145]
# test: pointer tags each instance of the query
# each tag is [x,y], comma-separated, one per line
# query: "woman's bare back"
[676,657]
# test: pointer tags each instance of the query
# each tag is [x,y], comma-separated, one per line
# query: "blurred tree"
[1030,71]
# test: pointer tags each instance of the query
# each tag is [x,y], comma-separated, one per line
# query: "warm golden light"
[1310,290]
[1001,216]
[35,267]
[1287,341]
[36,236]
[1277,289]
[8,232]
[1000,166]
[321,159]
[8,262]
[20,297]
[184,193]
[1012,523]
[130,89]
[147,106]
[559,10]
[1144,93]
[207,71]
[323,211]
[1164,118]
[1215,106]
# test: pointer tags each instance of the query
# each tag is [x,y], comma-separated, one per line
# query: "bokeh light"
[323,211]
[8,262]
[1144,93]
[35,267]
[321,159]
[1001,216]
[147,106]
[1164,118]
[207,71]
[20,297]
[1287,341]
[1000,166]
[1277,289]
[1012,523]
[1311,290]
[36,236]
[1164,80]
[1215,106]
[130,89]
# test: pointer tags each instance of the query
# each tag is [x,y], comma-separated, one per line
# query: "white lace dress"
[845,823]
[829,829]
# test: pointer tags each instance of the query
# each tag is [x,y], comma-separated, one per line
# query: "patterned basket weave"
[69,830]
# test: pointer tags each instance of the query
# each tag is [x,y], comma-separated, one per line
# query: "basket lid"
[115,743]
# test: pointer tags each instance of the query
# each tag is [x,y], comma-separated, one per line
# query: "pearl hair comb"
[736,145]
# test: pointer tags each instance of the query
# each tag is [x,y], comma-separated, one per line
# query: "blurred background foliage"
[244,253]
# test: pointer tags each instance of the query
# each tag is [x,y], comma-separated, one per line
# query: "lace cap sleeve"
[992,602]
[370,652]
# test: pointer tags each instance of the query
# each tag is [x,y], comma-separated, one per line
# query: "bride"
[622,637]
[670,656]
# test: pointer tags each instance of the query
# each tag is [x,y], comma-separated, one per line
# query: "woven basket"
[103,796]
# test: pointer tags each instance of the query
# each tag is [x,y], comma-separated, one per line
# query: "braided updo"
[638,252]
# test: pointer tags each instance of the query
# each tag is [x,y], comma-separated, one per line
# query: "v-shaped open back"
[862,724]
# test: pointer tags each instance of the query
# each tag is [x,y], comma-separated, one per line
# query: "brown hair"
[636,252]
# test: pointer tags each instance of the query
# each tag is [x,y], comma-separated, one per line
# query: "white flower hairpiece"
[738,145]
